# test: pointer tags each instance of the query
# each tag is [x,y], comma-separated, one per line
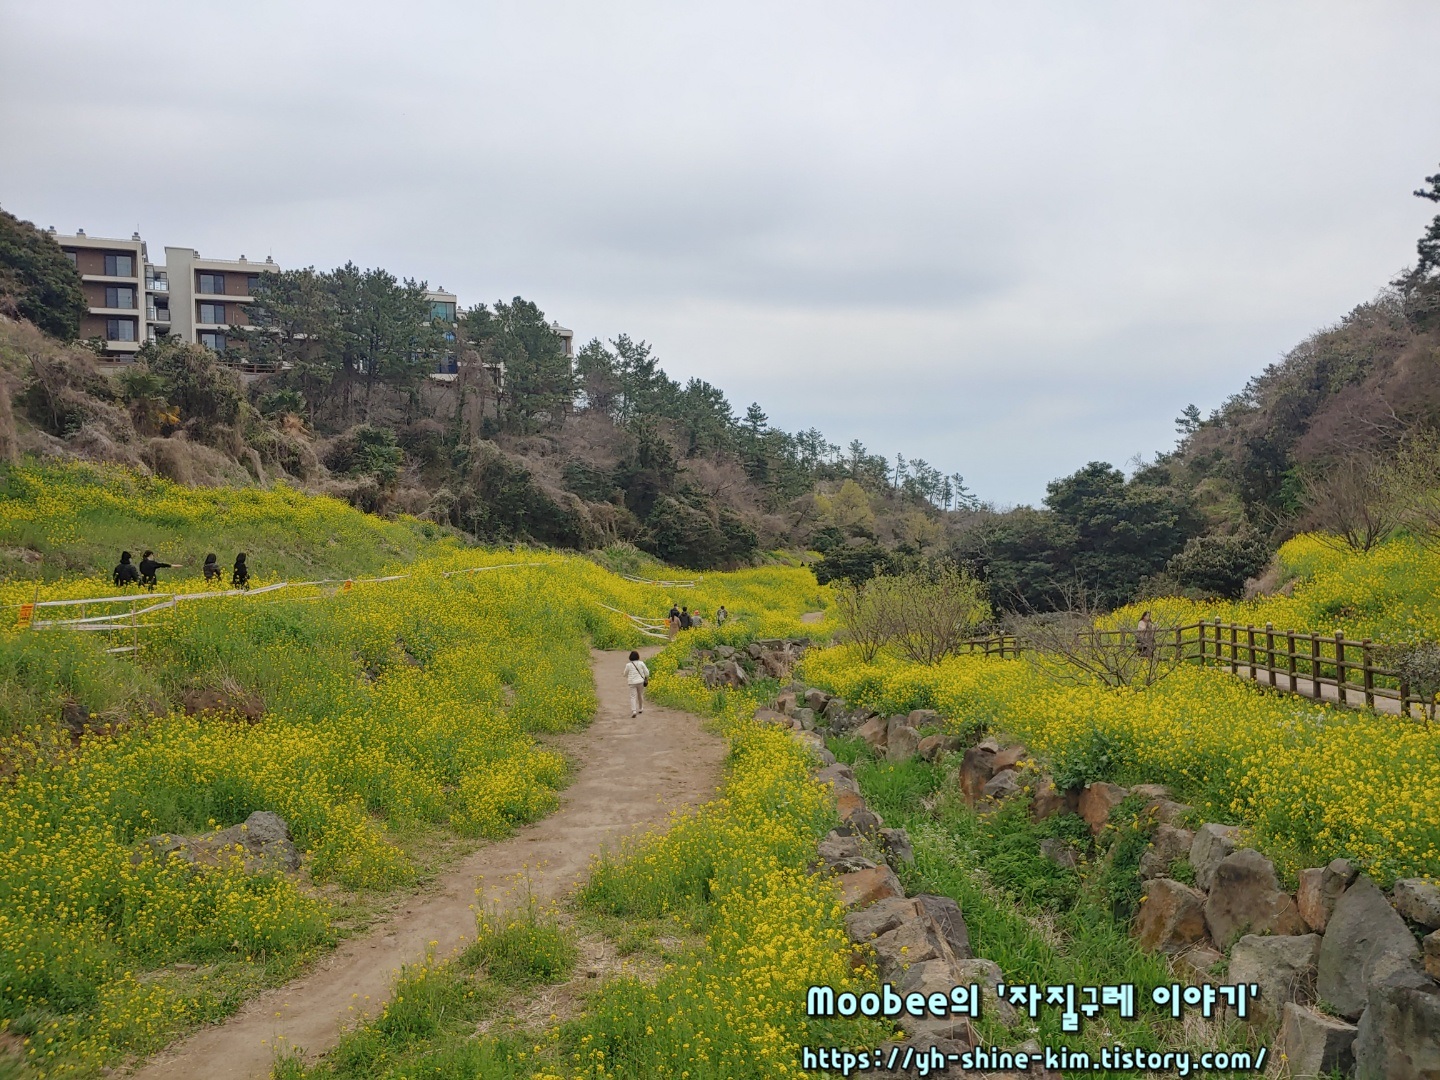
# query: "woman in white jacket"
[636,675]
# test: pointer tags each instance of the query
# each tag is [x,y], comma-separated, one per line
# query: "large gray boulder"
[261,843]
[1167,844]
[914,941]
[1314,1044]
[1399,1036]
[1001,786]
[1212,844]
[903,743]
[1284,968]
[945,914]
[843,854]
[1418,901]
[1364,941]
[879,918]
[1245,898]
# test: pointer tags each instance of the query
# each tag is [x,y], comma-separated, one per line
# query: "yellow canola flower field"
[388,707]
[1386,594]
[1310,782]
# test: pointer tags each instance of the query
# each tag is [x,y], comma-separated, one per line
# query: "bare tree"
[1067,647]
[933,615]
[863,616]
[1353,504]
[1415,487]
[925,617]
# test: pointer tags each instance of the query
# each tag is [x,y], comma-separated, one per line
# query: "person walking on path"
[1145,637]
[674,620]
[637,676]
[721,615]
[211,569]
[685,621]
[148,565]
[126,573]
[240,575]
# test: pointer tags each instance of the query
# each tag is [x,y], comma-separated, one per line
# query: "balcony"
[157,285]
[160,315]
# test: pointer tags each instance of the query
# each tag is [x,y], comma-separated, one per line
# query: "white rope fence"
[127,621]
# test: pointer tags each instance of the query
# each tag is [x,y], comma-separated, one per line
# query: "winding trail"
[633,772]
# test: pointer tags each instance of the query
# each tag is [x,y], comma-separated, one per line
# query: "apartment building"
[208,297]
[131,300]
[113,276]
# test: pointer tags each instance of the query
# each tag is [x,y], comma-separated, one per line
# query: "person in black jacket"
[211,569]
[148,565]
[240,576]
[125,573]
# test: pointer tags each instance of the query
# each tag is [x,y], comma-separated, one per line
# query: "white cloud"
[1006,238]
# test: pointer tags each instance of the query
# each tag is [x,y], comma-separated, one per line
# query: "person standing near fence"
[673,621]
[1145,637]
[125,573]
[148,565]
[637,677]
[212,569]
[240,575]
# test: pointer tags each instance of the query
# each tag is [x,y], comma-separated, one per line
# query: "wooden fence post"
[1340,675]
[1250,644]
[1315,691]
[1270,651]
[1290,652]
[1366,659]
[1234,649]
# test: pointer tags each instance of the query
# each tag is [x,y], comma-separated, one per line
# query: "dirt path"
[633,773]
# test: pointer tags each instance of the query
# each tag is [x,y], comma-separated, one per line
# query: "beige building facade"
[131,300]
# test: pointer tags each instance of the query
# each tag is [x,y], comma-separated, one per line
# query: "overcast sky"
[1008,238]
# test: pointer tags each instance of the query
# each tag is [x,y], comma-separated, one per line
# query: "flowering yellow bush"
[1311,782]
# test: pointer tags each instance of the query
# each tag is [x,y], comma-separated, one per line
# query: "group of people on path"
[127,573]
[682,618]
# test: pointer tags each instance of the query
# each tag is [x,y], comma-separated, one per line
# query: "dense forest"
[518,441]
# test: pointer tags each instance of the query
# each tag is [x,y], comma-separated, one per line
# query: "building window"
[252,284]
[119,329]
[162,314]
[212,313]
[71,256]
[442,310]
[214,284]
[213,340]
[119,296]
[119,266]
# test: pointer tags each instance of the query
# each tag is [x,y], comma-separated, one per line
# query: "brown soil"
[633,773]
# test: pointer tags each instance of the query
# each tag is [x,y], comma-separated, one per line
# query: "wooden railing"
[1302,662]
[1001,645]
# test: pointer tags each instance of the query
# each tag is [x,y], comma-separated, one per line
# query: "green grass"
[78,517]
